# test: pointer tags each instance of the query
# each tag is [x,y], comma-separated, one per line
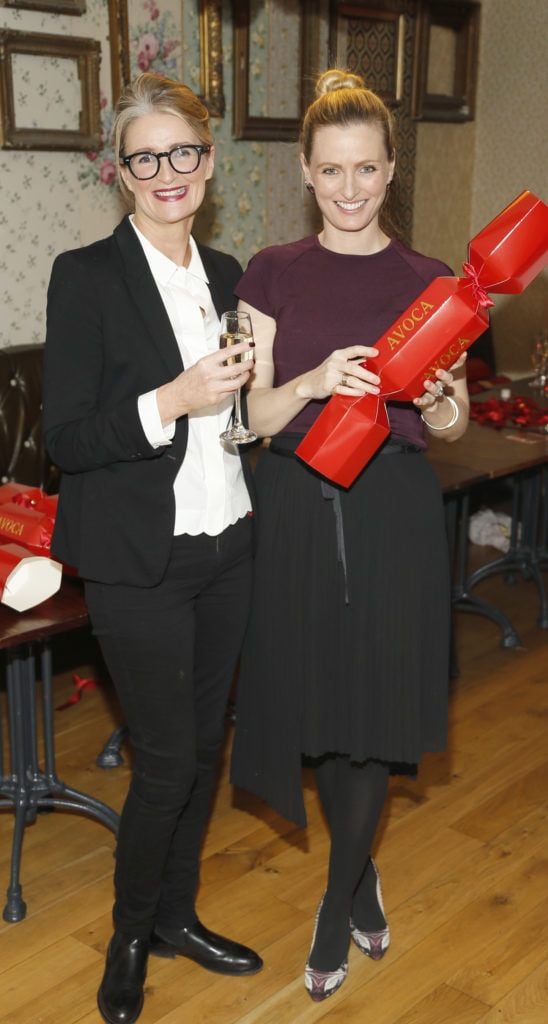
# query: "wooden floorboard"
[463,852]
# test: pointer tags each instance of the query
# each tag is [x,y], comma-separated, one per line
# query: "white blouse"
[210,490]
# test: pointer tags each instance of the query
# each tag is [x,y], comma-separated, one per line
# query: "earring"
[309,187]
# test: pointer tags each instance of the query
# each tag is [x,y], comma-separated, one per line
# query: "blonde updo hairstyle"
[150,93]
[342,99]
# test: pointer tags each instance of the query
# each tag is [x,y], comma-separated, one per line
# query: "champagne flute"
[539,359]
[236,327]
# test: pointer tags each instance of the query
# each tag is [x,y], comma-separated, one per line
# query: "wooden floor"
[463,854]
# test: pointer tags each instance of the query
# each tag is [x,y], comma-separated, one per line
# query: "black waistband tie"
[285,445]
[332,494]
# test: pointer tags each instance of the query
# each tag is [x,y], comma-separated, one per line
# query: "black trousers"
[171,651]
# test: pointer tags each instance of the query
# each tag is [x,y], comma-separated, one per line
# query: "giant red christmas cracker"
[27,574]
[443,321]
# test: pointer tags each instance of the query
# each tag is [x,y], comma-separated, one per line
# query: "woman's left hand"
[434,389]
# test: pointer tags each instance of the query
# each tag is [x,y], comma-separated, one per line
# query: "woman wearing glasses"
[154,513]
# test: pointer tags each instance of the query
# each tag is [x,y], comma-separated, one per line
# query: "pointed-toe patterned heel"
[321,984]
[373,944]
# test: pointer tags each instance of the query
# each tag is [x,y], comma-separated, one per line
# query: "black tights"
[352,797]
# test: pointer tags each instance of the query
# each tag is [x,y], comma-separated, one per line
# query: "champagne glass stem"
[238,409]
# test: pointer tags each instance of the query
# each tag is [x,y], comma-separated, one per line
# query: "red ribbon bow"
[80,685]
[45,538]
[480,294]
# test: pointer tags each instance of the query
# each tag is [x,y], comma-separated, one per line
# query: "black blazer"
[109,339]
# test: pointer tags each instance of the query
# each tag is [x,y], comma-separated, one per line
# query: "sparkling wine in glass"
[236,327]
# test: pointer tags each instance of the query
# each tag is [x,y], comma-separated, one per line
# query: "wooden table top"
[484,453]
[64,611]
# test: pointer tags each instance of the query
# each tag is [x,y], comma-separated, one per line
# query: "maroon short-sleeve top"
[323,300]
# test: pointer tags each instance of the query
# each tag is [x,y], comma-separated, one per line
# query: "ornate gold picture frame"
[211,51]
[211,56]
[120,70]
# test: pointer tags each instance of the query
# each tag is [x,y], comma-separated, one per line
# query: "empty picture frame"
[49,91]
[51,6]
[369,39]
[446,60]
[271,107]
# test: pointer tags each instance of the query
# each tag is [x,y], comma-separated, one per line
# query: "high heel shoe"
[321,984]
[373,944]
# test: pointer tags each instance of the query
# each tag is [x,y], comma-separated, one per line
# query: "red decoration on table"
[518,412]
[443,321]
[27,524]
[27,517]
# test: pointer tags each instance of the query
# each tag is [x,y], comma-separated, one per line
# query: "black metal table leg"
[28,688]
[27,788]
[59,794]
[16,908]
[451,506]
[536,522]
[542,543]
[110,756]
[463,583]
[523,554]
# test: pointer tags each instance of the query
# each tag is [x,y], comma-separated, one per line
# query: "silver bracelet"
[452,421]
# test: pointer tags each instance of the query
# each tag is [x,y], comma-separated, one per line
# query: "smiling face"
[170,198]
[349,169]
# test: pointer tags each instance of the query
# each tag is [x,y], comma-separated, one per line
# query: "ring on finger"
[344,381]
[439,389]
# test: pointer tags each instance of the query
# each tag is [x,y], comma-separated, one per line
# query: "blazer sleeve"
[81,432]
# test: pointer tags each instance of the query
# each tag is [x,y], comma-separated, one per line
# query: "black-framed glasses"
[183,159]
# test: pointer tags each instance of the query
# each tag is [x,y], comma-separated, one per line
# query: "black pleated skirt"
[347,648]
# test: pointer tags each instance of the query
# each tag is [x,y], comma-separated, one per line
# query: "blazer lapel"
[221,293]
[147,298]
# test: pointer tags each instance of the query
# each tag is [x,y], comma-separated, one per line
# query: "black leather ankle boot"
[120,997]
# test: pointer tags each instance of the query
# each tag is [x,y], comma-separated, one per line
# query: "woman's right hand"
[341,374]
[204,384]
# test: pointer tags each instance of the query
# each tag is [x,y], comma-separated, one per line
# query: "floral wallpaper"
[43,209]
[153,42]
[38,106]
[52,201]
[233,215]
[154,45]
[257,43]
